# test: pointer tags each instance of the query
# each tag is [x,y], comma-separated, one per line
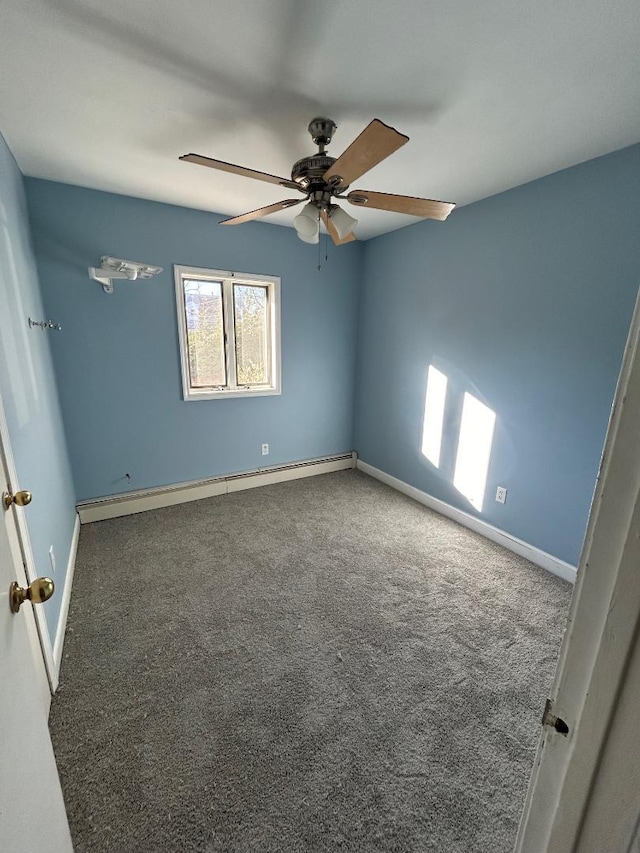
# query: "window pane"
[250,306]
[205,333]
[474,450]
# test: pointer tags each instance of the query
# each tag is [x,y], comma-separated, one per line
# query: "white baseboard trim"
[64,604]
[534,555]
[141,501]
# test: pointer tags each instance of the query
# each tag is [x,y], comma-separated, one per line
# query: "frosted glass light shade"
[315,238]
[306,223]
[343,222]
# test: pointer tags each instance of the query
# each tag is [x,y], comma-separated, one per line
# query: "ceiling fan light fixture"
[344,223]
[306,223]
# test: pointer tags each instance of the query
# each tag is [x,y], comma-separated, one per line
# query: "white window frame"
[228,279]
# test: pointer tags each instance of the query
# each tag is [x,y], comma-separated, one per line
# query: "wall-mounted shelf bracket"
[117,268]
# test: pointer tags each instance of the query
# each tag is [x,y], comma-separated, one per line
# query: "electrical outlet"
[52,558]
[265,449]
[501,495]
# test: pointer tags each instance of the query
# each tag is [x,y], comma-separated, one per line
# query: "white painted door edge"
[534,555]
[603,620]
[64,604]
[141,501]
[28,775]
[27,553]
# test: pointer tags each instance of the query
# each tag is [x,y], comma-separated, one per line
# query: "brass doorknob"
[22,498]
[39,590]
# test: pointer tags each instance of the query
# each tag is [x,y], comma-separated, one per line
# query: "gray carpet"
[320,665]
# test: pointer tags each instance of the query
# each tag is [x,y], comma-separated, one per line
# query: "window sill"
[194,396]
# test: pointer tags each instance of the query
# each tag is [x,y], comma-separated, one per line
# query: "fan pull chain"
[326,245]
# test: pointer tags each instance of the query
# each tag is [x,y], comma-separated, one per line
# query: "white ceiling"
[492,94]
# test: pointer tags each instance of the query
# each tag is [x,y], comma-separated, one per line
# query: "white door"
[583,795]
[32,813]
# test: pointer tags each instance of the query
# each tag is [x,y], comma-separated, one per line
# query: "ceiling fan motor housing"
[309,174]
[310,170]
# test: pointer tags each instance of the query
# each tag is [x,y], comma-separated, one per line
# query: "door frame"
[28,558]
[600,635]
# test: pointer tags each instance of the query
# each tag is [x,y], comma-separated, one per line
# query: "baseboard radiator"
[128,503]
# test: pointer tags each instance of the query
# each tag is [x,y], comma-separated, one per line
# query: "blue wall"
[28,391]
[117,359]
[525,300]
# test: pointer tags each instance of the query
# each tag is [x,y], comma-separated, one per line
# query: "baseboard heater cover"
[128,503]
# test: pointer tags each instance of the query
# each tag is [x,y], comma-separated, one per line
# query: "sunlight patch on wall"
[434,415]
[474,450]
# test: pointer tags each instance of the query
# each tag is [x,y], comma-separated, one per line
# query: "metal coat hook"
[45,324]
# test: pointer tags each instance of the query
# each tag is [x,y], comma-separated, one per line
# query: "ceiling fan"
[322,178]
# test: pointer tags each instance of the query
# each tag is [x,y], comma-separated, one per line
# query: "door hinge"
[552,720]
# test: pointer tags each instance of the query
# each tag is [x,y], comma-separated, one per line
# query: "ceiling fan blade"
[376,142]
[425,207]
[331,228]
[240,170]
[262,211]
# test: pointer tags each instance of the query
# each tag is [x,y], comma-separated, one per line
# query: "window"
[229,326]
